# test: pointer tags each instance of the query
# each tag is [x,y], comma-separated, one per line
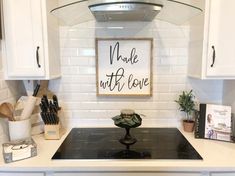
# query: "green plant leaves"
[186,102]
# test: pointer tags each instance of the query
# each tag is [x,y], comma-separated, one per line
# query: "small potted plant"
[187,105]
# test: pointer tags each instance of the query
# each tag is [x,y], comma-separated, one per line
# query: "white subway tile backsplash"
[86,52]
[161,88]
[79,61]
[168,60]
[92,61]
[161,70]
[81,88]
[9,92]
[4,94]
[178,88]
[167,96]
[75,97]
[79,33]
[80,43]
[65,61]
[87,70]
[68,52]
[178,69]
[178,51]
[171,79]
[82,79]
[172,43]
[182,60]
[167,33]
[158,51]
[69,70]
[77,86]
[1,74]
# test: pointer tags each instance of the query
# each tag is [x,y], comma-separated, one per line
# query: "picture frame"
[124,66]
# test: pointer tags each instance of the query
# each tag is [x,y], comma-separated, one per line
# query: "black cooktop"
[103,143]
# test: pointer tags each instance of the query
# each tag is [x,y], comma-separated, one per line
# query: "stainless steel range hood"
[125,11]
[74,12]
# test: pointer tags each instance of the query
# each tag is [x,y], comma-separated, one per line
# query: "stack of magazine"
[214,122]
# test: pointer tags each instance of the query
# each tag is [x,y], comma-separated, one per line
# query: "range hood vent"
[124,11]
[75,12]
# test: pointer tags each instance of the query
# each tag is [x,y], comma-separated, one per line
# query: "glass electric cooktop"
[103,143]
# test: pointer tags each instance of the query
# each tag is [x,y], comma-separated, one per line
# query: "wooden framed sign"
[124,66]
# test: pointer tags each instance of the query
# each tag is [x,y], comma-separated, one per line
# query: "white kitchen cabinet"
[20,174]
[31,40]
[223,174]
[211,51]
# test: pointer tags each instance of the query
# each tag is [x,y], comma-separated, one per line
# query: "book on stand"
[214,122]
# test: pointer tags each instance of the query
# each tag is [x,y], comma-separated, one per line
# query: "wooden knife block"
[53,132]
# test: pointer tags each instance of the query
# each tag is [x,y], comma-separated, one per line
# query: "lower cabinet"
[21,174]
[51,173]
[127,174]
[223,174]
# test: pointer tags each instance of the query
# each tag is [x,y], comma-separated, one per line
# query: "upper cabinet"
[212,53]
[31,40]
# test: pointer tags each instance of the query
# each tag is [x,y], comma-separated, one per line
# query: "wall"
[9,92]
[229,94]
[77,86]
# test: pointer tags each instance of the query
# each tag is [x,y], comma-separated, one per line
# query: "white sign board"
[124,67]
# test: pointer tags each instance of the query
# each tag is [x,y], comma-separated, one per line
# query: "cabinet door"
[20,174]
[221,39]
[23,38]
[223,174]
[127,174]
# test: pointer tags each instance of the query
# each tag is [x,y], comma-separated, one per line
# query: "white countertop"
[217,156]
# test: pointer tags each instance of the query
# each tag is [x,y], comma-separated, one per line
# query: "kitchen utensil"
[49,110]
[55,101]
[44,89]
[35,92]
[43,108]
[49,118]
[44,98]
[19,129]
[44,105]
[6,111]
[28,108]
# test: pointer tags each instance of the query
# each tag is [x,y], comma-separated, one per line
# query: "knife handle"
[44,105]
[56,119]
[55,101]
[45,100]
[49,120]
[43,117]
[35,92]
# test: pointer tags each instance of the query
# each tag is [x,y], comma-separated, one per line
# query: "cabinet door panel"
[127,174]
[221,36]
[21,174]
[223,174]
[23,33]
